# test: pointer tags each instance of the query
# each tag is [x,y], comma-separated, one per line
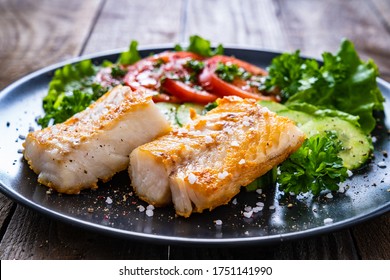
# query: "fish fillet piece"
[205,163]
[94,144]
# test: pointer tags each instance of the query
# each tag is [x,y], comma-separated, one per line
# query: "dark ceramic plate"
[367,192]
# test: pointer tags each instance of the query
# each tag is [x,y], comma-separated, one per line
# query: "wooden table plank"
[271,24]
[373,238]
[35,34]
[148,22]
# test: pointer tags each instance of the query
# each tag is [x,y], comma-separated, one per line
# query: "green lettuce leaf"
[201,46]
[343,82]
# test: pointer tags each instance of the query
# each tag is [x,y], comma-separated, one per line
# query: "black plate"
[367,195]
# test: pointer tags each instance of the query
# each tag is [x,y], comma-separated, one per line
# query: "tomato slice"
[239,86]
[167,78]
[187,93]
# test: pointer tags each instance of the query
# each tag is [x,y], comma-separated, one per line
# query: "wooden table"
[34,34]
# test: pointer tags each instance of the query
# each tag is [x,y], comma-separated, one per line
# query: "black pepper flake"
[85,172]
[8,124]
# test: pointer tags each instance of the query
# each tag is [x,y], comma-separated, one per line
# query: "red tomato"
[167,72]
[187,93]
[245,88]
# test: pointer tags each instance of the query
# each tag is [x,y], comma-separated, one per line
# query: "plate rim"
[155,238]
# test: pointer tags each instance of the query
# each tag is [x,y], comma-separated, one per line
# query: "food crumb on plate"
[328,221]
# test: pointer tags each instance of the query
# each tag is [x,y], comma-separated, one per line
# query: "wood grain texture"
[41,32]
[252,23]
[373,238]
[33,236]
[317,26]
[148,22]
[35,34]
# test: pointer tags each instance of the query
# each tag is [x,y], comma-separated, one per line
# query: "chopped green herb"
[314,167]
[195,65]
[118,72]
[228,72]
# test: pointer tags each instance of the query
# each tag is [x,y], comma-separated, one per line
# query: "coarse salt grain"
[234,201]
[349,173]
[242,161]
[381,164]
[182,130]
[257,209]
[235,144]
[248,214]
[259,191]
[150,207]
[374,139]
[141,208]
[329,195]
[229,130]
[108,200]
[223,175]
[149,213]
[341,189]
[192,178]
[208,139]
[272,207]
[328,221]
[248,208]
[260,204]
[218,222]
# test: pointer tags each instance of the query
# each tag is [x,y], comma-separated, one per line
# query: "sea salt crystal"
[192,178]
[223,175]
[248,214]
[141,208]
[149,213]
[242,161]
[182,130]
[329,195]
[234,201]
[218,222]
[257,209]
[229,130]
[259,191]
[260,204]
[108,200]
[272,207]
[349,173]
[328,221]
[235,144]
[248,208]
[208,139]
[341,189]
[150,207]
[374,139]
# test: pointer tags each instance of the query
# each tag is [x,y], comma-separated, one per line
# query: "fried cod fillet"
[204,164]
[94,144]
